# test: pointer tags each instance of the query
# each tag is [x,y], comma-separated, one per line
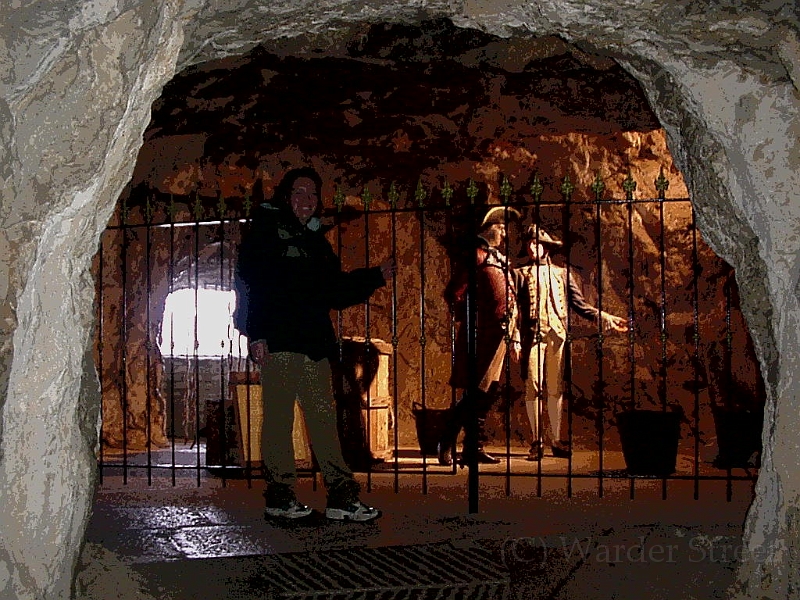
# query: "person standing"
[543,293]
[494,306]
[288,279]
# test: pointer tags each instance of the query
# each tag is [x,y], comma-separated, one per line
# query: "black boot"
[446,447]
[481,456]
[444,451]
[485,458]
[561,449]
[536,453]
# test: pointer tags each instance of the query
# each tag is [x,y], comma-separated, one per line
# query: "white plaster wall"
[76,84]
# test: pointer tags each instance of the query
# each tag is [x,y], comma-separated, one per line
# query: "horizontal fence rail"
[175,409]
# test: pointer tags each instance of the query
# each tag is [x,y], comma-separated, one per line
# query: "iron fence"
[171,413]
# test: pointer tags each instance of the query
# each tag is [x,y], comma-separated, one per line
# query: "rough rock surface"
[428,104]
[77,84]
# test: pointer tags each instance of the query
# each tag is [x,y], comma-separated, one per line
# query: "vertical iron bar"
[452,308]
[224,427]
[339,320]
[244,224]
[470,441]
[124,362]
[566,217]
[100,348]
[247,221]
[541,350]
[148,427]
[662,391]
[232,361]
[339,315]
[246,421]
[511,297]
[170,289]
[248,382]
[599,346]
[366,197]
[696,340]
[505,191]
[629,185]
[422,341]
[536,191]
[728,381]
[195,353]
[395,341]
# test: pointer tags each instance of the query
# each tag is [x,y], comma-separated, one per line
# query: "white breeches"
[546,373]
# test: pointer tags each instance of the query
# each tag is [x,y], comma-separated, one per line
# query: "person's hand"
[614,322]
[516,351]
[388,269]
[259,352]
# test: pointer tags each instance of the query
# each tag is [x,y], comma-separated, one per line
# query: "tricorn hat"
[534,232]
[500,214]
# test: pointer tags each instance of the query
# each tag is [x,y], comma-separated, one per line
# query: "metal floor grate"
[429,572]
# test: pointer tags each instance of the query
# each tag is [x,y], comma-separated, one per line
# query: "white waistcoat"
[548,284]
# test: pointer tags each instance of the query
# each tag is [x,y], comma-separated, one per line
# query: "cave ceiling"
[394,100]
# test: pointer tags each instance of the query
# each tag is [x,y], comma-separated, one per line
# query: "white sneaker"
[293,510]
[357,511]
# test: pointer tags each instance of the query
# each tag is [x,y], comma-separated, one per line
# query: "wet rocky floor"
[530,541]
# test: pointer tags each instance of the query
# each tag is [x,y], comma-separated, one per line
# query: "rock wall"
[77,84]
[391,110]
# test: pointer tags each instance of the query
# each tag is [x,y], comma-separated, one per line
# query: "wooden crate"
[248,396]
[364,407]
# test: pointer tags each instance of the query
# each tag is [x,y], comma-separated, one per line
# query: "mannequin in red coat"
[495,308]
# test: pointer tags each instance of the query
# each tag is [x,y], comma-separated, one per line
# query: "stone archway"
[77,88]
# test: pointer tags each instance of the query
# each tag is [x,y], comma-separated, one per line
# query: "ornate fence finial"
[506,189]
[629,185]
[366,198]
[447,193]
[472,191]
[247,205]
[197,207]
[338,198]
[172,209]
[662,183]
[393,195]
[567,188]
[598,187]
[536,188]
[420,194]
[148,210]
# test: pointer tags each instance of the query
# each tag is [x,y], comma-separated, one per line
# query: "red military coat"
[495,301]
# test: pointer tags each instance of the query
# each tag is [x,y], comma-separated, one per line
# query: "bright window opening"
[216,335]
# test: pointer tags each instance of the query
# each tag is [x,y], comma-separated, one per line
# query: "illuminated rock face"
[78,83]
[413,106]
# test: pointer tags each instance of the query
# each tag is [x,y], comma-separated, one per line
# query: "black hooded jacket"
[287,281]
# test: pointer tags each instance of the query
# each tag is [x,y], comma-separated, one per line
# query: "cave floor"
[529,539]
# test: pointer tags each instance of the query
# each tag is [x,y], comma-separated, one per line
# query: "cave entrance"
[417,130]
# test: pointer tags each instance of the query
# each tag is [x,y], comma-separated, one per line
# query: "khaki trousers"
[546,372]
[286,377]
